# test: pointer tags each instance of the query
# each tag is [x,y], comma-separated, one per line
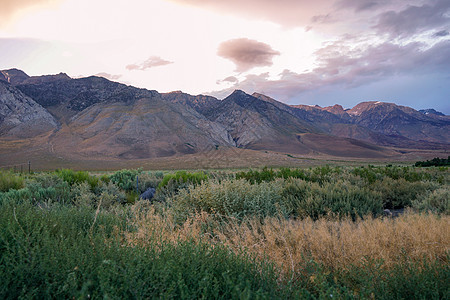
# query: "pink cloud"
[151,62]
[247,54]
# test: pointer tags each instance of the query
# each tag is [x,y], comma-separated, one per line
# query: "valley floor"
[17,153]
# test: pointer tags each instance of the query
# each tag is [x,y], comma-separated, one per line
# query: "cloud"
[441,33]
[229,79]
[247,54]
[351,15]
[109,76]
[285,12]
[151,62]
[10,7]
[414,19]
[362,5]
[350,69]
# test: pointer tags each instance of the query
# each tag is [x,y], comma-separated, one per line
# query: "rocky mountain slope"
[395,120]
[95,117]
[21,116]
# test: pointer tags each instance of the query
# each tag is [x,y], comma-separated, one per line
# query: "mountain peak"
[240,96]
[336,110]
[13,76]
[239,92]
[46,78]
[368,105]
[431,111]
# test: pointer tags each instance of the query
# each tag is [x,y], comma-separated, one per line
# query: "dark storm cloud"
[151,62]
[247,54]
[414,19]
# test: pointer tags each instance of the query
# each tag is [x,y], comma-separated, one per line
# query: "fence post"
[29,167]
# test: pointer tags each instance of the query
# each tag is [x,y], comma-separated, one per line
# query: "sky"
[318,52]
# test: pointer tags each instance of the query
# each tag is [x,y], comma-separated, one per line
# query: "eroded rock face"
[21,116]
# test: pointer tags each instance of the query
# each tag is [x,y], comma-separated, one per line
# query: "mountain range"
[93,117]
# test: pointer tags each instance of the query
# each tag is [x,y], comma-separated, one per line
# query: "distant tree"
[435,162]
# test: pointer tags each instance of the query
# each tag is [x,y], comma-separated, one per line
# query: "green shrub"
[183,177]
[400,193]
[83,195]
[149,180]
[72,177]
[368,174]
[338,199]
[318,174]
[47,180]
[234,198]
[36,193]
[15,196]
[254,176]
[125,179]
[171,184]
[10,181]
[437,201]
[110,195]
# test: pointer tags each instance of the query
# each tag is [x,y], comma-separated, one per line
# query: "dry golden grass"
[339,244]
[289,243]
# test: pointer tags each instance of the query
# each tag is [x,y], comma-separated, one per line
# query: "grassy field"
[319,232]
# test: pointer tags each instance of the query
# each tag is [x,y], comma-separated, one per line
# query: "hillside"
[94,118]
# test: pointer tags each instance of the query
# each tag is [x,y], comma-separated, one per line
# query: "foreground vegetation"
[287,233]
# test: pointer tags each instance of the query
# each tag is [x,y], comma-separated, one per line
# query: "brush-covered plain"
[323,232]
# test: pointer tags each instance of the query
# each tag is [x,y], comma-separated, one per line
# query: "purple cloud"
[351,69]
[414,19]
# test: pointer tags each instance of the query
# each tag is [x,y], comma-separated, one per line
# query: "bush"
[339,199]
[183,177]
[110,195]
[253,176]
[149,180]
[83,196]
[234,198]
[72,177]
[401,193]
[10,181]
[171,184]
[36,193]
[125,179]
[437,201]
